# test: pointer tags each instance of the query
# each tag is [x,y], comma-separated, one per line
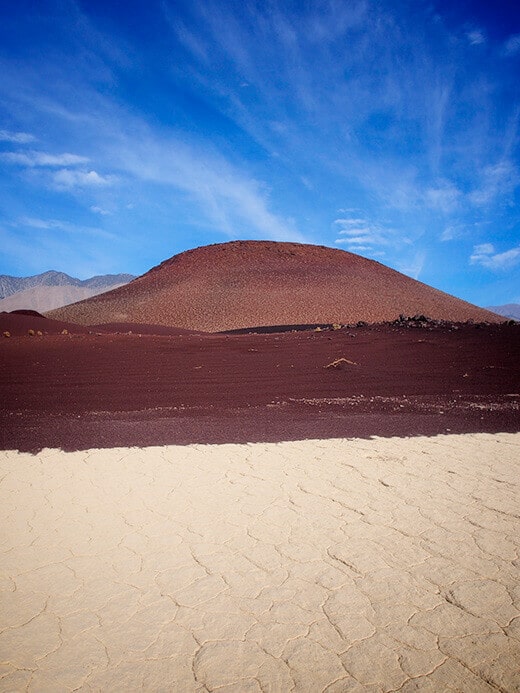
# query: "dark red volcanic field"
[128,368]
[103,389]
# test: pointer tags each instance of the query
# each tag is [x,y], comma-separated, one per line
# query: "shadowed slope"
[250,283]
[30,323]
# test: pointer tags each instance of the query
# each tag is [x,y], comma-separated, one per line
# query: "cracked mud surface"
[332,565]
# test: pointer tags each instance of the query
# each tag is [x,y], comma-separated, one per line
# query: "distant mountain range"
[509,310]
[53,289]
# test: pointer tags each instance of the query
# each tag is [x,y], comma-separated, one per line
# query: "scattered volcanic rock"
[31,323]
[252,283]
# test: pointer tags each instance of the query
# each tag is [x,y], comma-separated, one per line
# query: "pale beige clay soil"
[332,565]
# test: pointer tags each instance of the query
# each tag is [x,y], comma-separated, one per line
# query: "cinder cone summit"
[255,283]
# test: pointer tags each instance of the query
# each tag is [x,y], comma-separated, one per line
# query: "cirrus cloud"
[476,37]
[16,137]
[67,178]
[486,256]
[512,45]
[33,159]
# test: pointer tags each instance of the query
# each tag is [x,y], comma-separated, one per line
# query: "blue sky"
[132,131]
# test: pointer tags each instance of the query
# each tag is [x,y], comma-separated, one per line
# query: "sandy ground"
[331,565]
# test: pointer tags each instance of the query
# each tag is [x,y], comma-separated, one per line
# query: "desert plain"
[383,564]
[190,512]
[295,507]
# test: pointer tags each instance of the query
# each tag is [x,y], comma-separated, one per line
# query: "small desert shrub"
[64,332]
[30,333]
[39,333]
[7,334]
[336,326]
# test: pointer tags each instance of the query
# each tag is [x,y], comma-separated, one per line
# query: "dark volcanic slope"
[29,322]
[250,283]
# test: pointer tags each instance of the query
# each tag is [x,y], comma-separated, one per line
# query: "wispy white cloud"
[234,202]
[124,149]
[66,179]
[360,235]
[483,249]
[64,226]
[470,229]
[438,109]
[32,158]
[476,37]
[444,197]
[187,38]
[16,137]
[100,210]
[68,175]
[497,180]
[350,221]
[35,223]
[452,232]
[486,256]
[512,45]
[292,109]
[413,266]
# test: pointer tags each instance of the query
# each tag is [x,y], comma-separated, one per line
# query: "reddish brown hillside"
[251,283]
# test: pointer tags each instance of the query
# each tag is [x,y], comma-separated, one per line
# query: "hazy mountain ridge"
[52,289]
[508,310]
[10,285]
